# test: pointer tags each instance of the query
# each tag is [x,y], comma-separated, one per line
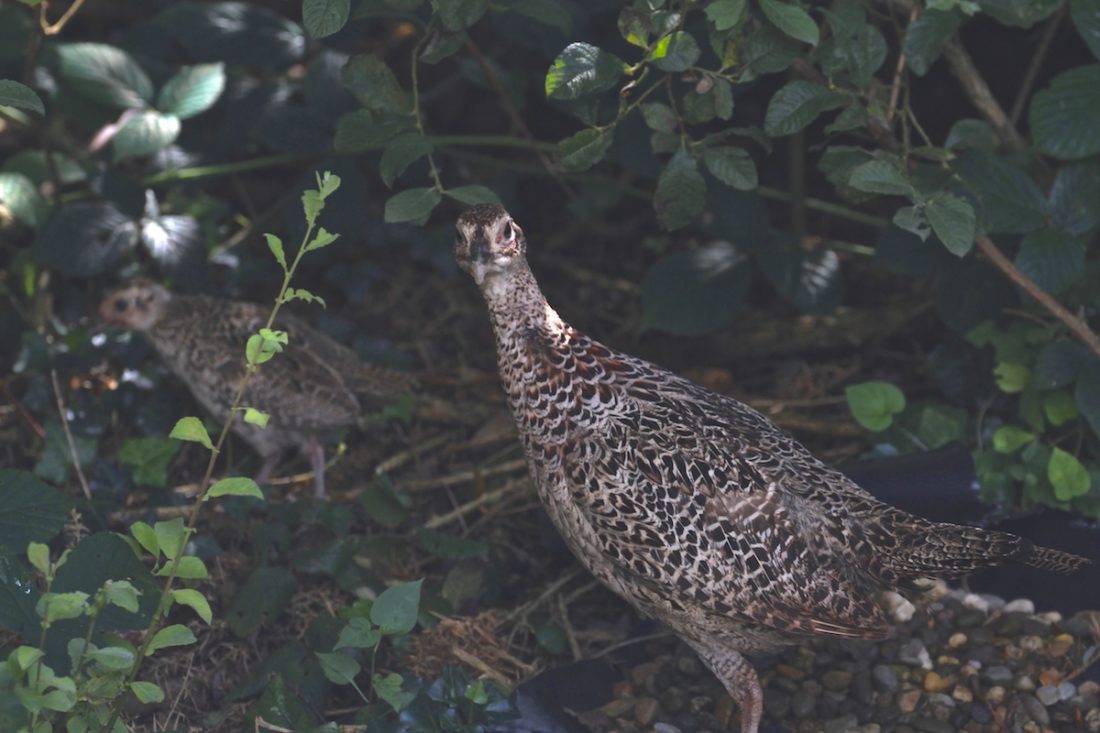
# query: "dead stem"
[69,436]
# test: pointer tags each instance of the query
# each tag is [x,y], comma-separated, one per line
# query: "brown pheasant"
[311,389]
[692,506]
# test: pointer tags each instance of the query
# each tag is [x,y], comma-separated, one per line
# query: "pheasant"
[692,506]
[311,389]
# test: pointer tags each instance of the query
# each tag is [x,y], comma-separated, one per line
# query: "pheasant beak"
[480,259]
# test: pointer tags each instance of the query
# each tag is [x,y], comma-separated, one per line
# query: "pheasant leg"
[316,453]
[268,467]
[740,680]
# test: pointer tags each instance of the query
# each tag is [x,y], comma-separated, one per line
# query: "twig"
[69,436]
[460,511]
[526,608]
[27,417]
[567,627]
[826,207]
[400,459]
[469,658]
[1077,326]
[899,72]
[978,91]
[262,724]
[52,29]
[1037,59]
[465,476]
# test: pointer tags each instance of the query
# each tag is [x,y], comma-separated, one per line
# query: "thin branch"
[978,91]
[69,436]
[899,73]
[52,29]
[1037,60]
[1076,325]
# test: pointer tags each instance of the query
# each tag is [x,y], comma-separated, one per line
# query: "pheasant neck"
[517,305]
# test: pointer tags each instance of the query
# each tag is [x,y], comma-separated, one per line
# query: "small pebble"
[1033,706]
[958,639]
[933,682]
[907,701]
[885,679]
[998,674]
[645,710]
[665,728]
[931,725]
[1025,684]
[844,724]
[802,704]
[837,680]
[1020,605]
[914,653]
[962,694]
[1066,690]
[976,602]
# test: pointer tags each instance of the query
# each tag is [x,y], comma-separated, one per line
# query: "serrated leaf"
[324,17]
[360,131]
[911,219]
[401,152]
[792,20]
[681,192]
[583,150]
[22,199]
[374,84]
[972,135]
[726,14]
[692,293]
[456,15]
[1086,19]
[105,74]
[1075,198]
[252,416]
[1019,14]
[194,600]
[548,12]
[926,36]
[658,116]
[192,91]
[1009,439]
[236,486]
[169,636]
[191,428]
[1062,116]
[675,52]
[874,404]
[149,458]
[472,195]
[322,238]
[1010,202]
[414,205]
[880,176]
[144,134]
[953,221]
[340,669]
[1052,258]
[147,692]
[732,166]
[1068,477]
[581,70]
[395,611]
[14,94]
[796,105]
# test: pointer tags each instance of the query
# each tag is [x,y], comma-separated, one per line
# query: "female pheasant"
[311,389]
[692,506]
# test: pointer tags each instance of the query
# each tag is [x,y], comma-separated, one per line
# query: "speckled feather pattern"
[692,506]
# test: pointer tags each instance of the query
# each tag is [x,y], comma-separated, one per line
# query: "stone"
[802,704]
[1060,645]
[844,724]
[1025,684]
[645,710]
[1020,605]
[1033,706]
[914,653]
[934,682]
[958,639]
[665,728]
[837,680]
[885,679]
[907,701]
[962,694]
[998,674]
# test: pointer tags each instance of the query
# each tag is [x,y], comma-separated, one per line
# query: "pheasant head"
[489,244]
[138,305]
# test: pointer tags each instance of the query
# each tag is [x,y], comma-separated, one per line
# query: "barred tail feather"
[1055,561]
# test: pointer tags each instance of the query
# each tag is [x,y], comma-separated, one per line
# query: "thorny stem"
[204,484]
[438,182]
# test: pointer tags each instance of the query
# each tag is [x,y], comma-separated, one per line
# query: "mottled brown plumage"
[692,506]
[314,387]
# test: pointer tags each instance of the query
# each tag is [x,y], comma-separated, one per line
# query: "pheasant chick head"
[488,243]
[137,305]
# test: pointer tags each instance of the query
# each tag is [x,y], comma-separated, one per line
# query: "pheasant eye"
[121,304]
[509,232]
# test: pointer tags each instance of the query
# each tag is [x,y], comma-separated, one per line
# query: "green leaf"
[658,116]
[55,460]
[360,131]
[692,293]
[726,14]
[1075,198]
[1063,116]
[322,238]
[113,657]
[103,557]
[25,656]
[471,195]
[1059,363]
[1011,378]
[105,74]
[681,192]
[796,105]
[880,176]
[1052,258]
[237,486]
[39,556]
[149,457]
[723,99]
[792,20]
[1010,200]
[359,634]
[584,149]
[675,52]
[374,85]
[144,134]
[874,404]
[1009,439]
[14,94]
[450,547]
[456,15]
[766,51]
[122,593]
[548,12]
[324,17]
[1019,14]
[259,350]
[59,606]
[581,70]
[926,36]
[953,221]
[1087,394]
[191,428]
[23,199]
[383,503]
[195,600]
[252,416]
[635,26]
[396,609]
[192,91]
[147,692]
[401,152]
[1086,19]
[971,135]
[169,636]
[276,246]
[190,568]
[31,511]
[1060,407]
[388,687]
[170,537]
[1068,477]
[262,598]
[146,537]
[340,669]
[414,205]
[732,166]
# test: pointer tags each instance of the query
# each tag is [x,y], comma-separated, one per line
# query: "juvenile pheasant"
[692,506]
[310,389]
